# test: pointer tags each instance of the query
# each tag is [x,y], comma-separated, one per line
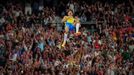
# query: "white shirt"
[57,63]
[2,20]
[14,57]
[71,7]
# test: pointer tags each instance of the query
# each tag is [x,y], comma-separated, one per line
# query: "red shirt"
[97,45]
[127,18]
[100,73]
[9,28]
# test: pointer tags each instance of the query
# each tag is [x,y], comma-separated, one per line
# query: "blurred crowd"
[31,35]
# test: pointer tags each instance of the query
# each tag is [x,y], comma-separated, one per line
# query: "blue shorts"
[70,26]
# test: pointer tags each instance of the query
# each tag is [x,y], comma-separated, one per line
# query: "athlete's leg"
[65,36]
[77,29]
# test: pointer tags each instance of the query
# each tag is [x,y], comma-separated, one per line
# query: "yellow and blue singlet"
[69,23]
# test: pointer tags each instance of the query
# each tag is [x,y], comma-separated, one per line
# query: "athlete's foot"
[63,45]
[78,33]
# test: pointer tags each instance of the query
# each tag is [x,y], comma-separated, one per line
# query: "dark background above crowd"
[65,1]
[57,2]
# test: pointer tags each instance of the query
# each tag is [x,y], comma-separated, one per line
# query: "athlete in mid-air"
[71,24]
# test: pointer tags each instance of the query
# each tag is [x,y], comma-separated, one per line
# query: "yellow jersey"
[70,20]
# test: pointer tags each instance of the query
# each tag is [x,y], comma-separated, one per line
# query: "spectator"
[30,39]
[28,9]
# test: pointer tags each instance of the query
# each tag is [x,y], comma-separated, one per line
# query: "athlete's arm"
[64,18]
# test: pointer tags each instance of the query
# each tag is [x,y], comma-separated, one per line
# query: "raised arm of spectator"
[27,48]
[131,3]
[24,45]
[31,44]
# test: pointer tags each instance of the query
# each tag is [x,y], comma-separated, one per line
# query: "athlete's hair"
[69,10]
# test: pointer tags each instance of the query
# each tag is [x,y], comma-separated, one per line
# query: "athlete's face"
[76,17]
[70,13]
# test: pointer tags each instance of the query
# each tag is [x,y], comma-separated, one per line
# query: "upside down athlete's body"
[71,24]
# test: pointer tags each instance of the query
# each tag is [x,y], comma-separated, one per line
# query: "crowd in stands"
[31,35]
